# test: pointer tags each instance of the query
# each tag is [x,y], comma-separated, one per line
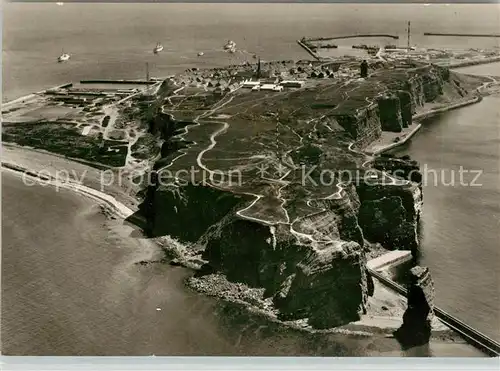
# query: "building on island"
[250,84]
[292,83]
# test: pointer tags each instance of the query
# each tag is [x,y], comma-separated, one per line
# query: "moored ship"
[158,48]
[63,57]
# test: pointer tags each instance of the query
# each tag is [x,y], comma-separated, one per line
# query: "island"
[269,179]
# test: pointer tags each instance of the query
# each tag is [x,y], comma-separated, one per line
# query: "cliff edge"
[273,190]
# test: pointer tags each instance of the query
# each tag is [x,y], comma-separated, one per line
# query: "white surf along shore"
[31,177]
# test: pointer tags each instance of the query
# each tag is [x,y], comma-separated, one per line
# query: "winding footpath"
[251,211]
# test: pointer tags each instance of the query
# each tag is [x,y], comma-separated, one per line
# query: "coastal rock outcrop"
[432,85]
[187,212]
[304,282]
[304,278]
[416,327]
[390,208]
[405,104]
[402,167]
[364,126]
[320,283]
[389,107]
[427,84]
[389,214]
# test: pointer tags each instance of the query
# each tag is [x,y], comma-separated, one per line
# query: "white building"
[267,87]
[271,87]
[250,84]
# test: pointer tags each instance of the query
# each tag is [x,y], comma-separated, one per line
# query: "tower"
[409,32]
[364,69]
[258,69]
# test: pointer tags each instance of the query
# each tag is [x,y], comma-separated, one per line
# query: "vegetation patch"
[146,147]
[66,139]
[117,135]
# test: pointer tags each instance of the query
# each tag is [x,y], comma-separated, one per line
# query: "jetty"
[378,149]
[461,34]
[395,37]
[308,49]
[389,259]
[139,82]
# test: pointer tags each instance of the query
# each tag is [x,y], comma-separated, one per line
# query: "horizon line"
[427,2]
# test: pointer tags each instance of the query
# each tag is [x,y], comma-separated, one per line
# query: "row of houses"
[72,100]
[226,89]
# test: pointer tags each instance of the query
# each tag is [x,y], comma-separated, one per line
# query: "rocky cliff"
[302,242]
[389,214]
[402,167]
[364,126]
[426,84]
[416,327]
[306,267]
[389,105]
[305,279]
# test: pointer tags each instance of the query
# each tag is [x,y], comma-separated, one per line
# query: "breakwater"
[460,34]
[308,49]
[139,82]
[63,86]
[395,37]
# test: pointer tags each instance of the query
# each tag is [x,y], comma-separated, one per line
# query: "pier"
[472,336]
[461,34]
[63,86]
[389,259]
[395,37]
[307,49]
[138,82]
[384,148]
[378,149]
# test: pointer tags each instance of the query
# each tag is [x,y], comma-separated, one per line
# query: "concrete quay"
[389,259]
[378,149]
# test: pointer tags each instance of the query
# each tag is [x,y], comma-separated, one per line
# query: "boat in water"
[63,57]
[158,48]
[200,54]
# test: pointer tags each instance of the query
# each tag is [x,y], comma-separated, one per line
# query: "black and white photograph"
[271,179]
